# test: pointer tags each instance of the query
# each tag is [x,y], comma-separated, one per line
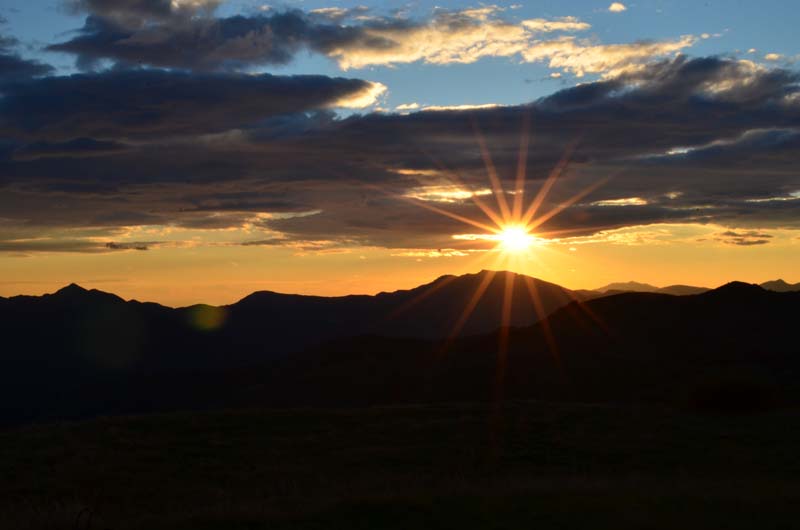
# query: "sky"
[192,151]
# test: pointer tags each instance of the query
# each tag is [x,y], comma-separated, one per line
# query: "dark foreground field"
[527,464]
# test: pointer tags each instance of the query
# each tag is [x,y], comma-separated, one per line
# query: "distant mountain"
[781,286]
[636,287]
[267,324]
[429,311]
[58,342]
[629,287]
[77,353]
[682,290]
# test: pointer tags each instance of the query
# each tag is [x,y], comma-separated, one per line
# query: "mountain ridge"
[780,285]
[632,286]
[267,323]
[65,360]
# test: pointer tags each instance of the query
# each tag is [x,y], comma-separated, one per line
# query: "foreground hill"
[736,344]
[465,466]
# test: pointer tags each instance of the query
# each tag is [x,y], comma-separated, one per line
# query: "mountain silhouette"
[79,352]
[629,286]
[267,324]
[75,337]
[433,310]
[636,287]
[781,286]
[630,347]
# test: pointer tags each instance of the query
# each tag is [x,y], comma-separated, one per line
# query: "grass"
[437,466]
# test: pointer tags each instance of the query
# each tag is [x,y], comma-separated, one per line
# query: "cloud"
[627,201]
[136,13]
[366,96]
[407,106]
[477,106]
[744,239]
[541,25]
[426,253]
[147,103]
[582,57]
[67,245]
[617,7]
[15,68]
[773,57]
[130,245]
[155,33]
[78,147]
[445,193]
[201,43]
[339,14]
[708,140]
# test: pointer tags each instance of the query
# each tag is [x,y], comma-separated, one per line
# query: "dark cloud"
[130,246]
[149,103]
[79,147]
[54,245]
[15,68]
[744,239]
[263,242]
[136,11]
[134,16]
[115,8]
[707,140]
[205,43]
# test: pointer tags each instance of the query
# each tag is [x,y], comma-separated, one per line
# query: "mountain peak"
[738,287]
[71,289]
[629,286]
[780,285]
[74,293]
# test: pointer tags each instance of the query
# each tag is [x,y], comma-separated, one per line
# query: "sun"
[514,239]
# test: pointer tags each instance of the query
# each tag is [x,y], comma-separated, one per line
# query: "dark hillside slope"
[83,351]
[633,347]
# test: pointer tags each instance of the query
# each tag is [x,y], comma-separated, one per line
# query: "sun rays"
[512,226]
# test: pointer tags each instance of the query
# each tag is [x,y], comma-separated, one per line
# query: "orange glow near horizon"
[215,269]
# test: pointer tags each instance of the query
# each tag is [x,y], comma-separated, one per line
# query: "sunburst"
[515,229]
[514,238]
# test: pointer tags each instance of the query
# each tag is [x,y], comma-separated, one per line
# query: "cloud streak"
[350,37]
[148,103]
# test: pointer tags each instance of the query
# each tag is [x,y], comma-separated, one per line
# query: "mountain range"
[682,290]
[265,324]
[636,287]
[80,352]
